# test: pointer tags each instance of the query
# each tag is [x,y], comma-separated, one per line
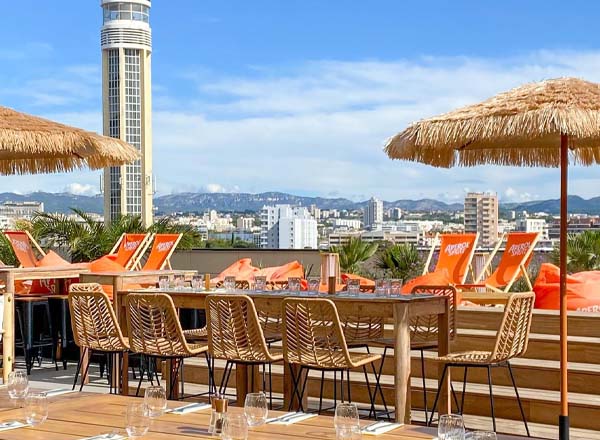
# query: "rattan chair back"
[513,335]
[154,327]
[234,330]
[313,334]
[93,320]
[424,328]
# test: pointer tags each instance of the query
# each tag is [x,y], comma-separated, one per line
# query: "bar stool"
[511,342]
[95,328]
[313,339]
[236,335]
[154,331]
[31,312]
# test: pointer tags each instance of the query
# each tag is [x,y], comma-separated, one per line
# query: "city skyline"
[274,101]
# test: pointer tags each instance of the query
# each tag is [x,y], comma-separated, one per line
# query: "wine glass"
[483,435]
[155,399]
[179,282]
[353,287]
[313,284]
[451,427]
[18,384]
[163,282]
[36,408]
[255,408]
[235,427]
[294,284]
[380,287]
[346,421]
[229,283]
[197,282]
[260,283]
[137,421]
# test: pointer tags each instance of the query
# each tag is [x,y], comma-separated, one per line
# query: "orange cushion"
[437,278]
[583,292]
[106,264]
[52,259]
[365,282]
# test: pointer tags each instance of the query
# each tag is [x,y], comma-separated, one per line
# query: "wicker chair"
[313,339]
[95,326]
[511,342]
[155,331]
[235,334]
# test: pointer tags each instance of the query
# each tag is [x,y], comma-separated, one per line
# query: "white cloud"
[80,189]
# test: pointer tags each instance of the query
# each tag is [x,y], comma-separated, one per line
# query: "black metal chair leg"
[270,387]
[321,392]
[489,372]
[377,378]
[303,388]
[225,378]
[512,378]
[334,388]
[464,390]
[348,385]
[85,372]
[424,383]
[437,395]
[454,396]
[371,396]
[295,385]
[78,368]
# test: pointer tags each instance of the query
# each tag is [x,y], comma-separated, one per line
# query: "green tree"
[353,253]
[401,261]
[88,239]
[583,252]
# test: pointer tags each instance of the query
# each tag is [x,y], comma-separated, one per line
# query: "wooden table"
[398,309]
[78,415]
[8,276]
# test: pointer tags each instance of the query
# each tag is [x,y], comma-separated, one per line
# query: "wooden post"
[564,367]
[8,326]
[402,357]
[444,404]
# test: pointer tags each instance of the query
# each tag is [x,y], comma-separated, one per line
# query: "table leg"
[402,355]
[444,404]
[8,326]
[125,374]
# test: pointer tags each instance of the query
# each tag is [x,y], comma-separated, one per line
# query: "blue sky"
[300,95]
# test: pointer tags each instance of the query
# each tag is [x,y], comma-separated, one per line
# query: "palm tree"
[353,253]
[583,252]
[88,239]
[400,261]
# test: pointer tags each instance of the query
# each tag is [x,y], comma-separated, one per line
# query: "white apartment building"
[341,238]
[348,223]
[533,225]
[373,213]
[481,215]
[245,223]
[15,210]
[287,227]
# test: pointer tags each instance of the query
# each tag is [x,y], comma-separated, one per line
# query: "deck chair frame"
[31,240]
[522,269]
[432,250]
[140,250]
[167,262]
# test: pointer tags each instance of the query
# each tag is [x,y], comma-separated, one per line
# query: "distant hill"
[240,202]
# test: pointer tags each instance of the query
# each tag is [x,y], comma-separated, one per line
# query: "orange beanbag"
[364,282]
[437,278]
[289,270]
[47,286]
[583,289]
[242,270]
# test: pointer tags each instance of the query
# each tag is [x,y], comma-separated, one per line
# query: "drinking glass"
[348,433]
[396,286]
[387,287]
[179,282]
[163,282]
[294,284]
[380,287]
[353,287]
[346,420]
[451,427]
[18,384]
[229,283]
[137,421]
[260,283]
[155,399]
[256,409]
[235,427]
[313,284]
[483,435]
[36,408]
[197,281]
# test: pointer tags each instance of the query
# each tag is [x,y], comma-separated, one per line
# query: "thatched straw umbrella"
[29,144]
[539,124]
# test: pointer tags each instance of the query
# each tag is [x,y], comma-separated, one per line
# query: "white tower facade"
[127,105]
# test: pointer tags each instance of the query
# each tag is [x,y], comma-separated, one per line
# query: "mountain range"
[240,202]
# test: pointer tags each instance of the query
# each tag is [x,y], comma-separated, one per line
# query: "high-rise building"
[481,215]
[127,105]
[373,214]
[287,227]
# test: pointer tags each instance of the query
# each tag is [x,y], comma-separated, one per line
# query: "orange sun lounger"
[159,257]
[128,247]
[22,244]
[513,264]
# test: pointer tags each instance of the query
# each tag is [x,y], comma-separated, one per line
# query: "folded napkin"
[289,418]
[58,392]
[380,427]
[106,436]
[192,407]
[13,424]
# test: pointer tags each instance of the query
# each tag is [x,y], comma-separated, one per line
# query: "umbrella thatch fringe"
[522,126]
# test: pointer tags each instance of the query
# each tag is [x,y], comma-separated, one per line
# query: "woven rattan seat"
[95,326]
[511,342]
[196,334]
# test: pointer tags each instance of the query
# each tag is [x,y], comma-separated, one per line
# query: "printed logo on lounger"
[518,249]
[132,245]
[21,245]
[457,248]
[162,247]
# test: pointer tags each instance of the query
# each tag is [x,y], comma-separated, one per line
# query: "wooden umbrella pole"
[563,423]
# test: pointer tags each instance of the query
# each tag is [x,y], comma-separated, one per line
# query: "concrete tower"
[127,104]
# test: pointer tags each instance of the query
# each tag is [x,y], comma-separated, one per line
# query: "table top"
[47,272]
[78,415]
[142,273]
